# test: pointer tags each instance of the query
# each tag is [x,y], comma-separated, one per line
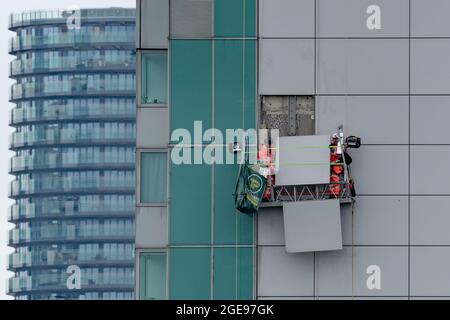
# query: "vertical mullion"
[409,150]
[213,166]
[315,97]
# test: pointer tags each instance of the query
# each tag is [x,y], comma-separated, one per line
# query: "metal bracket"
[292,115]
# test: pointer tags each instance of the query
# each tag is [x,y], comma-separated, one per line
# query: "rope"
[216,145]
[236,221]
[353,251]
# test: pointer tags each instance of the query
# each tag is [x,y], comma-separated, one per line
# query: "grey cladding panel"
[393,263]
[381,220]
[346,224]
[155,24]
[349,18]
[312,226]
[430,172]
[286,66]
[286,18]
[270,226]
[191,18]
[284,274]
[335,271]
[376,119]
[429,18]
[152,127]
[151,227]
[285,298]
[380,169]
[430,271]
[362,66]
[430,119]
[430,67]
[303,160]
[430,220]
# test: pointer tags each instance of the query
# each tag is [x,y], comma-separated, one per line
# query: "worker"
[265,158]
[335,186]
[339,158]
[337,167]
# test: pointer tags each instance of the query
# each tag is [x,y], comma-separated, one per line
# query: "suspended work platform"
[310,178]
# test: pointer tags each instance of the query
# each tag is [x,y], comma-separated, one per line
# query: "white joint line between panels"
[213,44]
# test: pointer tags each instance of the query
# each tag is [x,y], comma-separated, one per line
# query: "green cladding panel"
[224,273]
[213,81]
[191,92]
[234,108]
[250,93]
[190,273]
[235,18]
[234,84]
[190,204]
[245,273]
[233,273]
[191,84]
[226,218]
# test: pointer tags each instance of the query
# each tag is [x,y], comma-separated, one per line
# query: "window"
[154,78]
[152,276]
[153,177]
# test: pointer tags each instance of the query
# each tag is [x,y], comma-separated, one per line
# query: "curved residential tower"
[74,154]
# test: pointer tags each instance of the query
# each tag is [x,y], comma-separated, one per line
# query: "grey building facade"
[74,145]
[378,67]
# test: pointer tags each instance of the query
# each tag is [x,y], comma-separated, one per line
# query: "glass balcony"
[15,211]
[76,109]
[80,37]
[17,260]
[80,230]
[74,207]
[90,279]
[79,206]
[75,85]
[30,211]
[18,284]
[15,235]
[94,157]
[40,16]
[56,63]
[91,253]
[87,134]
[64,184]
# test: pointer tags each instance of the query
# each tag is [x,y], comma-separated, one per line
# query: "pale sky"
[6,7]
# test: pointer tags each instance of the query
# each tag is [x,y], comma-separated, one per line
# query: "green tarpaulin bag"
[250,188]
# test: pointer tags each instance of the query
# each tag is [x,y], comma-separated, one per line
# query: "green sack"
[250,189]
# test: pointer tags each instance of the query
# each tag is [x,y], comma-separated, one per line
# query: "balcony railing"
[40,16]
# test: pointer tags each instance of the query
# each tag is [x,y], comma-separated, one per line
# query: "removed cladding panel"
[275,115]
[191,18]
[303,160]
[312,226]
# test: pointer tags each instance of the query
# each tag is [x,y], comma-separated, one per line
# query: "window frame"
[139,203]
[140,54]
[140,252]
